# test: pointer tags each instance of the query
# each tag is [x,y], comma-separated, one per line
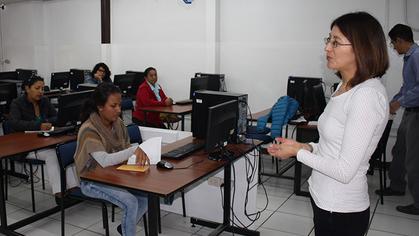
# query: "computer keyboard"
[182,151]
[184,102]
[62,130]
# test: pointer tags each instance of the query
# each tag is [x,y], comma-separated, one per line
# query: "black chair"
[22,158]
[378,158]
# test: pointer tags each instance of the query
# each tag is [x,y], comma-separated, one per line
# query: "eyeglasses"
[335,43]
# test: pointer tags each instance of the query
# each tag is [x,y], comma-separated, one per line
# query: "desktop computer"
[204,99]
[77,77]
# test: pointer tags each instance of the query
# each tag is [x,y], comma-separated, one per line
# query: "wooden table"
[176,109]
[17,143]
[163,183]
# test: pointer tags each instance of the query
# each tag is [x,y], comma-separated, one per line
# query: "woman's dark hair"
[148,70]
[401,31]
[107,77]
[368,42]
[98,98]
[31,81]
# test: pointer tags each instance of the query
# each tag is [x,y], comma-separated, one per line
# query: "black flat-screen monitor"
[8,92]
[221,123]
[139,79]
[203,83]
[314,102]
[60,80]
[9,75]
[77,77]
[23,74]
[220,77]
[125,82]
[301,89]
[69,107]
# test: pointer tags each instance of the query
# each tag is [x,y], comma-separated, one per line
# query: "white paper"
[39,131]
[132,160]
[152,147]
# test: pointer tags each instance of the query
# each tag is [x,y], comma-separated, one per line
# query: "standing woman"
[100,73]
[33,111]
[349,128]
[103,141]
[150,93]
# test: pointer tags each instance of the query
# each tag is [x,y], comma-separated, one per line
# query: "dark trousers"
[406,156]
[340,224]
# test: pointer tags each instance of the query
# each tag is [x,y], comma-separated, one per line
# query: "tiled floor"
[286,214]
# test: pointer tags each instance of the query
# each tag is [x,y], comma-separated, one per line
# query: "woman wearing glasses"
[100,73]
[349,128]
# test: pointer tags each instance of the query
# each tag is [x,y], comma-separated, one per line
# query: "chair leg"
[381,170]
[145,224]
[384,169]
[62,216]
[32,187]
[276,164]
[260,166]
[43,177]
[105,218]
[6,180]
[183,204]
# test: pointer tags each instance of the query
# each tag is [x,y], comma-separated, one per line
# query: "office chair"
[379,158]
[65,155]
[22,158]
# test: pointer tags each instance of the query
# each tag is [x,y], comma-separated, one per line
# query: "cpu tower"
[204,99]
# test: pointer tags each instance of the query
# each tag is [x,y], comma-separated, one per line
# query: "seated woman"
[33,111]
[100,73]
[150,94]
[103,141]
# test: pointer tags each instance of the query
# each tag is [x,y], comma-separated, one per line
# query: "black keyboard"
[184,102]
[183,150]
[62,130]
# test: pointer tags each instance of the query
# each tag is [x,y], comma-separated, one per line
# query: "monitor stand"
[221,154]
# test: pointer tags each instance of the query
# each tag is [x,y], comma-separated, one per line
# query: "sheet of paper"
[133,168]
[39,131]
[152,147]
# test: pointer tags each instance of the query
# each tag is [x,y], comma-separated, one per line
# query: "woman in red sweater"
[150,94]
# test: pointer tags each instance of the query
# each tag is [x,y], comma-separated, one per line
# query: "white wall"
[257,44]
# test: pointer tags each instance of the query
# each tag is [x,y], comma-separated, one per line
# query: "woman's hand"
[168,101]
[142,158]
[286,148]
[46,126]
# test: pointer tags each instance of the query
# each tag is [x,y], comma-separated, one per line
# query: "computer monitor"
[9,75]
[203,83]
[69,107]
[23,74]
[125,82]
[299,89]
[8,92]
[314,102]
[77,77]
[220,77]
[139,79]
[221,124]
[60,80]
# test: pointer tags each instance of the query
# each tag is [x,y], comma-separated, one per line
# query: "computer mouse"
[164,165]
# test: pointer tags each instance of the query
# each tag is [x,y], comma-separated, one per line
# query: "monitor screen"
[69,107]
[314,102]
[221,123]
[203,83]
[299,89]
[124,82]
[23,74]
[60,80]
[10,75]
[8,92]
[138,80]
[77,77]
[220,77]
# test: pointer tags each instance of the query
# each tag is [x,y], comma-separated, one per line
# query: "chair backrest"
[382,144]
[65,153]
[134,133]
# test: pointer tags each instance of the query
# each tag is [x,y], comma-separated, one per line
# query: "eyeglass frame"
[335,43]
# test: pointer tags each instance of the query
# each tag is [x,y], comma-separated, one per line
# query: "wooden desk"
[176,109]
[17,143]
[162,183]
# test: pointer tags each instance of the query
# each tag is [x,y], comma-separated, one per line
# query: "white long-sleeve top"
[349,129]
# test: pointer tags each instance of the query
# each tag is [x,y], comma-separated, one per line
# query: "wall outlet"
[215,181]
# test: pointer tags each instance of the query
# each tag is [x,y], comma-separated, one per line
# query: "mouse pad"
[133,168]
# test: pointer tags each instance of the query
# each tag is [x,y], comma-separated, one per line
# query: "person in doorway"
[349,128]
[406,149]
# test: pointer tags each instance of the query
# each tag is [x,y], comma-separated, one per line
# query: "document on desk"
[152,147]
[136,168]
